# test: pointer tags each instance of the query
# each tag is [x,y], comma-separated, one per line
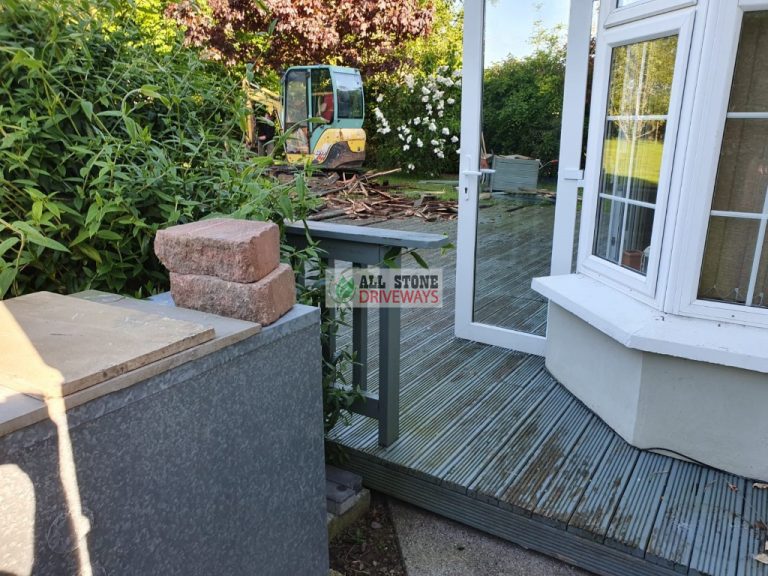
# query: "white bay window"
[640,74]
[735,264]
[663,330]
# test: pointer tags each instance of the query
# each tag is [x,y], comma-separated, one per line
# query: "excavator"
[321,108]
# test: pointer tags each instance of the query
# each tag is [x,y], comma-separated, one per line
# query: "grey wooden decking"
[490,439]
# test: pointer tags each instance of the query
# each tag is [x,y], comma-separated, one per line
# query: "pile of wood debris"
[359,196]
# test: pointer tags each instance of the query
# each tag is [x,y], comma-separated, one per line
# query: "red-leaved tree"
[365,34]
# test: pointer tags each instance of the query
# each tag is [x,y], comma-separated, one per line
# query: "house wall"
[711,413]
[214,467]
[598,370]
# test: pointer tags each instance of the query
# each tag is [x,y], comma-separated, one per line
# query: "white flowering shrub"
[416,123]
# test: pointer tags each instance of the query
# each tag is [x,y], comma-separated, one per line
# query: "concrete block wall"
[214,467]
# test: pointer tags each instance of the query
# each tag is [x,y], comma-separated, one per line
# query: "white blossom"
[440,113]
[425,99]
[454,139]
[406,147]
[425,90]
[419,143]
[380,98]
[432,127]
[409,81]
[445,131]
[416,121]
[411,167]
[451,101]
[435,143]
[408,140]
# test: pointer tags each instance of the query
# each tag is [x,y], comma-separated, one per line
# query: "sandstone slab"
[234,250]
[264,301]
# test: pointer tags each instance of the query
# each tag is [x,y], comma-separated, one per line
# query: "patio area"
[490,439]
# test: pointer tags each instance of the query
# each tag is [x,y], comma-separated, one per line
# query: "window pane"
[349,89]
[742,176]
[728,257]
[760,297]
[610,216]
[322,94]
[296,108]
[750,80]
[632,159]
[639,94]
[736,245]
[641,77]
[625,234]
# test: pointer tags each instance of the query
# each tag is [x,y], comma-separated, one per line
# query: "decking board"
[635,514]
[672,538]
[521,458]
[560,499]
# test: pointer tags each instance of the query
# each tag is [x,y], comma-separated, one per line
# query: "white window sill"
[641,327]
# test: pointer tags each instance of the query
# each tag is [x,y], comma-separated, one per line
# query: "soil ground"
[370,546]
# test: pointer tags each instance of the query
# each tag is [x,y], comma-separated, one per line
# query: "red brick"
[264,301]
[234,250]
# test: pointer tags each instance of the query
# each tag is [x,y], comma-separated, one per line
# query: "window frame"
[641,9]
[706,139]
[678,23]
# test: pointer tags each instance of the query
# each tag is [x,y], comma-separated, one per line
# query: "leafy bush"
[417,123]
[104,138]
[523,100]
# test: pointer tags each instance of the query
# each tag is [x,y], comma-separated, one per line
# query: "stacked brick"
[228,267]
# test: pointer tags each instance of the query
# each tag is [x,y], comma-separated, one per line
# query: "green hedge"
[104,138]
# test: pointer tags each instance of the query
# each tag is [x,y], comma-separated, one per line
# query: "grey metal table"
[364,246]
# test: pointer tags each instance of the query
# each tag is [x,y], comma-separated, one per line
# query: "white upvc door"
[570,174]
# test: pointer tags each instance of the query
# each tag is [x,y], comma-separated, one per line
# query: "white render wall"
[715,414]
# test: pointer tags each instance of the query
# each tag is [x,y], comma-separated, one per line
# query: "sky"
[509,25]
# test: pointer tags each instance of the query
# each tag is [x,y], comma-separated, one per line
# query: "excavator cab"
[325,106]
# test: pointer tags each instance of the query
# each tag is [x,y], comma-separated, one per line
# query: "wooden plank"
[671,541]
[366,235]
[595,509]
[716,547]
[460,471]
[633,519]
[559,500]
[442,404]
[512,456]
[505,524]
[754,531]
[53,345]
[513,388]
[524,491]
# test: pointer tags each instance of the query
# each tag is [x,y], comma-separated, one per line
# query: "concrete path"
[434,546]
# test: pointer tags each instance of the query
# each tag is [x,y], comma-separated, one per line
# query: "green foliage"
[110,130]
[417,124]
[104,139]
[442,47]
[523,100]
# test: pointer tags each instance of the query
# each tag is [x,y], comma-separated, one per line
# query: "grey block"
[343,477]
[214,467]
